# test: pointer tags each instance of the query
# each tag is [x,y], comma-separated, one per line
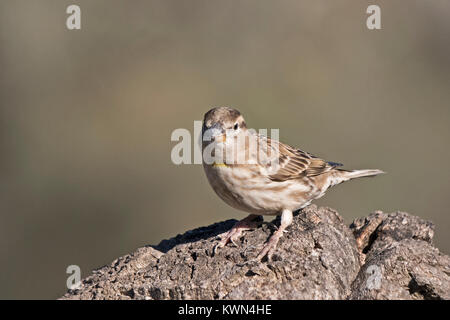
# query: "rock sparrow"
[262,176]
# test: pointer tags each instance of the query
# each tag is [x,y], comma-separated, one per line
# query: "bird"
[262,176]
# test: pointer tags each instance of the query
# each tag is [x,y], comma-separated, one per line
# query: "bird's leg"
[247,223]
[269,247]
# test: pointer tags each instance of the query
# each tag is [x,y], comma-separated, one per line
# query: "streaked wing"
[295,163]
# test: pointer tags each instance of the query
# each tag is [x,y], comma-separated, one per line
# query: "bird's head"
[222,123]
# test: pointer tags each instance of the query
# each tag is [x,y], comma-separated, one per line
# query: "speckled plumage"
[262,176]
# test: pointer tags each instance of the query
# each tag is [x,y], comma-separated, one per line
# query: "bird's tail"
[351,174]
[346,175]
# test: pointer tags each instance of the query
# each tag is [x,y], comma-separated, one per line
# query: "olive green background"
[86,116]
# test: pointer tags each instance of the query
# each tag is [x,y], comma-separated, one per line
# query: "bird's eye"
[236,126]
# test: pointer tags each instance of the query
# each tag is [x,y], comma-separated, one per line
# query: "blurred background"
[86,116]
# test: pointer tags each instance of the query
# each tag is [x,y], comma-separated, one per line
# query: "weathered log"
[383,256]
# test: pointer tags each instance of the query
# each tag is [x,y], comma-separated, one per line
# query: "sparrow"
[262,176]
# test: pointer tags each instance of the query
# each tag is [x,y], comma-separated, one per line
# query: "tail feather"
[346,175]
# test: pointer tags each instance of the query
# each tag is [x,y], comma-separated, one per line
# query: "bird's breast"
[243,187]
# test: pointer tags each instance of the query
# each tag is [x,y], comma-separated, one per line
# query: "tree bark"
[382,256]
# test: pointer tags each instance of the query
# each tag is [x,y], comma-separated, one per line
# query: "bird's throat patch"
[219,165]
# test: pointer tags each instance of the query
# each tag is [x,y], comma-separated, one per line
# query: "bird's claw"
[235,232]
[232,240]
[270,246]
[267,251]
[229,238]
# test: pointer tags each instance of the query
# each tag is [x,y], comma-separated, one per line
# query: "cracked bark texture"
[382,256]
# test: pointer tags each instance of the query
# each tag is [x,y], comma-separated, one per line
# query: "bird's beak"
[217,134]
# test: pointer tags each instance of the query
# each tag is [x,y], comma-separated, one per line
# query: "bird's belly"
[253,193]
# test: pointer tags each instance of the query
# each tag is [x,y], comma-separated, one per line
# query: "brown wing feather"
[295,163]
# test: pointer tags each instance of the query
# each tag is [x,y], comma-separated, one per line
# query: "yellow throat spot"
[219,165]
[221,138]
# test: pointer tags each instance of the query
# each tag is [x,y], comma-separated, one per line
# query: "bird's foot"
[233,235]
[270,246]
